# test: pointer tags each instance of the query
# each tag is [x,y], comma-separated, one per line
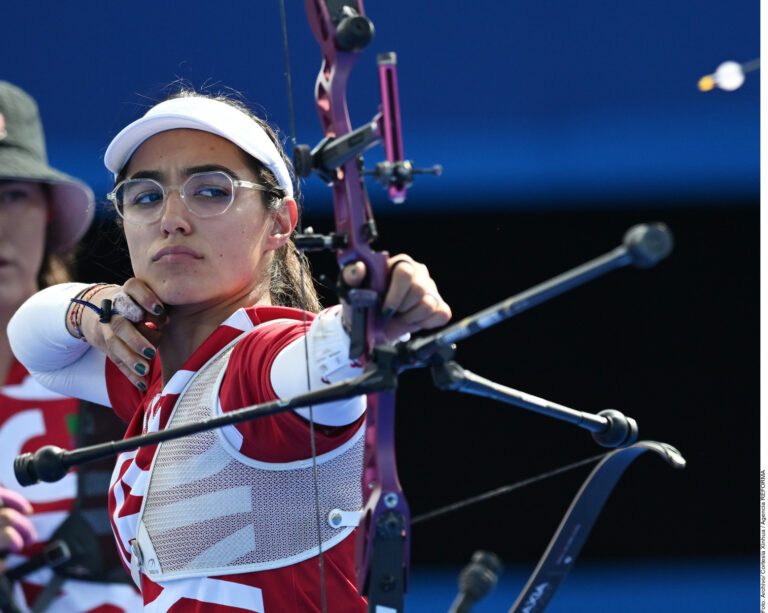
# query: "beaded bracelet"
[73,312]
[80,301]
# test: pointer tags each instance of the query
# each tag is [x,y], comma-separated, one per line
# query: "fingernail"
[140,368]
[141,385]
[157,309]
[388,312]
[149,353]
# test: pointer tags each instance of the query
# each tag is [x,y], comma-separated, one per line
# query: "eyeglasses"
[205,194]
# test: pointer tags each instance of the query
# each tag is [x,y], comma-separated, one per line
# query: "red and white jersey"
[284,437]
[30,417]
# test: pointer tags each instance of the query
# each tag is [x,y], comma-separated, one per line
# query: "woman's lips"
[177,253]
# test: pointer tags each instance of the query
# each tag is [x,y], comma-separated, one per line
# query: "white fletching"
[729,76]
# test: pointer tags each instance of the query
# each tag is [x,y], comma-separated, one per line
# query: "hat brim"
[72,203]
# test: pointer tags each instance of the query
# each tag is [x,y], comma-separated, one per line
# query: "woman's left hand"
[412,302]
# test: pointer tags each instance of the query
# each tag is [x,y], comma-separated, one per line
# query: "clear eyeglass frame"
[157,212]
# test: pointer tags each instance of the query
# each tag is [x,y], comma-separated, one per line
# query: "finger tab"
[125,305]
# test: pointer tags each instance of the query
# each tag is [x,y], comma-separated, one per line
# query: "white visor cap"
[197,113]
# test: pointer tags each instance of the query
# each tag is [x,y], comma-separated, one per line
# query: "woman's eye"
[211,192]
[10,196]
[146,198]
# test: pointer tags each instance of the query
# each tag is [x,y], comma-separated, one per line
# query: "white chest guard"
[209,510]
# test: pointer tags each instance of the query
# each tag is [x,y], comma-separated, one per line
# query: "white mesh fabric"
[211,511]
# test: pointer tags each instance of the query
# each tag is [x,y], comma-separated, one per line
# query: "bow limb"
[574,528]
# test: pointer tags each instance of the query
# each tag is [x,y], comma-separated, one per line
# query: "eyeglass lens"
[205,194]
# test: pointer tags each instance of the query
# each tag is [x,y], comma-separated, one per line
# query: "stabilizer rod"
[609,428]
[644,245]
[51,463]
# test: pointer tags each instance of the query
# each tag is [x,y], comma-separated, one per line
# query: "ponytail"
[285,285]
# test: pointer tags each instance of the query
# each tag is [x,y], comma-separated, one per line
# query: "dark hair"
[291,282]
[56,268]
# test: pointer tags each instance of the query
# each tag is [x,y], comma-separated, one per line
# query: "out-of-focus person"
[58,552]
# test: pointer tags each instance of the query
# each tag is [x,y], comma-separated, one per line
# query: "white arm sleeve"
[328,348]
[40,341]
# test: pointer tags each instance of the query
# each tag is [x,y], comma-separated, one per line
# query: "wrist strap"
[79,301]
[105,312]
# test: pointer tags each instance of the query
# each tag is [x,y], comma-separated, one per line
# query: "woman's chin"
[14,289]
[179,300]
[176,294]
[198,292]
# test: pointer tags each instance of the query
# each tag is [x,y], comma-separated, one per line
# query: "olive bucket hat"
[23,158]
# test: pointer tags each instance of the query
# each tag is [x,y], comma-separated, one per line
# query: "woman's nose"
[176,216]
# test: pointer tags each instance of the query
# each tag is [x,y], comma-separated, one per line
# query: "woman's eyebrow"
[158,175]
[209,168]
[148,174]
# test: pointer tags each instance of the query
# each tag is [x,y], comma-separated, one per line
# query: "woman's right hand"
[16,531]
[130,345]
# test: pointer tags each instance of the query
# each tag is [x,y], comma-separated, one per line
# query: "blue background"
[558,124]
[523,103]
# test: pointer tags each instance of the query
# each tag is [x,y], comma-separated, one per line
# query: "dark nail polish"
[149,353]
[388,312]
[140,368]
[142,386]
[157,309]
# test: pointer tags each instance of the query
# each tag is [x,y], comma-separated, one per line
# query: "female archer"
[214,319]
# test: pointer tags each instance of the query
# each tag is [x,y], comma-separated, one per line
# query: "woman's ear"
[283,222]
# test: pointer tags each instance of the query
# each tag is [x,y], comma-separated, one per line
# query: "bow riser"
[352,209]
[382,545]
[382,549]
